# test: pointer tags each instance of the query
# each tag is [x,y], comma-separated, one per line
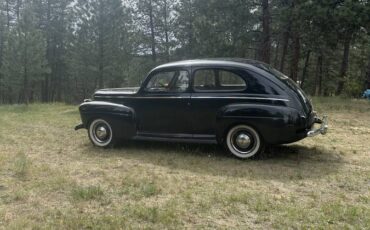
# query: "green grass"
[88,193]
[21,165]
[52,177]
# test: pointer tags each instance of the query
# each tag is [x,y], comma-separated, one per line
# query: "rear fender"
[268,120]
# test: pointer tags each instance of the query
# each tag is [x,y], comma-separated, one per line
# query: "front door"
[163,107]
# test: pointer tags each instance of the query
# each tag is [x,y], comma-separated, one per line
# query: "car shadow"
[285,162]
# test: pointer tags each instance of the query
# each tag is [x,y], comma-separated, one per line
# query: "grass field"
[52,177]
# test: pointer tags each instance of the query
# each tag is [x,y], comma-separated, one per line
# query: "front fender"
[274,123]
[121,117]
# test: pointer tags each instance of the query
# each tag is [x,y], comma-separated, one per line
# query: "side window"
[218,80]
[204,80]
[169,81]
[182,82]
[231,81]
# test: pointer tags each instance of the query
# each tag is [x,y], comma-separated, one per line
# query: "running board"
[181,138]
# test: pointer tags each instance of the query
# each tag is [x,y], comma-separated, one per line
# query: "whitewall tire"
[243,142]
[101,133]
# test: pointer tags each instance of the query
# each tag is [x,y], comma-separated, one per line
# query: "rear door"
[213,88]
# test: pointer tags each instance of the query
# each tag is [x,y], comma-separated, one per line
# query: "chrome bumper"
[323,128]
[81,126]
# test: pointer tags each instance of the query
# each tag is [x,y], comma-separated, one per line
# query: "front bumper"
[323,128]
[81,126]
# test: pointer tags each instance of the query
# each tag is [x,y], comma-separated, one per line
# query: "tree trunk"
[368,75]
[45,89]
[7,14]
[53,77]
[101,47]
[318,78]
[2,42]
[266,43]
[101,64]
[286,36]
[191,38]
[46,85]
[344,66]
[10,94]
[18,9]
[306,64]
[166,31]
[31,97]
[295,58]
[1,62]
[26,87]
[276,54]
[189,29]
[151,21]
[61,66]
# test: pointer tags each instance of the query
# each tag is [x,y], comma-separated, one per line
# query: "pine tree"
[24,60]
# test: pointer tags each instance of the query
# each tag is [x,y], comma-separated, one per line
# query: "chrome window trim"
[197,97]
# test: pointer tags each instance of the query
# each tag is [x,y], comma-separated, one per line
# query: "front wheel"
[244,142]
[101,133]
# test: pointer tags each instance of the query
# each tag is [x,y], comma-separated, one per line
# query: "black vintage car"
[241,104]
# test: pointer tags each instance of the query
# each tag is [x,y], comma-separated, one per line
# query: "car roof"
[253,65]
[235,62]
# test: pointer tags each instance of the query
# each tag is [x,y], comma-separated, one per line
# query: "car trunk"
[305,102]
[303,99]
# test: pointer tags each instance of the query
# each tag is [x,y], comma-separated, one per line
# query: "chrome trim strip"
[201,97]
[169,97]
[249,98]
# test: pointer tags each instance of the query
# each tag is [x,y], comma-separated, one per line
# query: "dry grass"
[52,177]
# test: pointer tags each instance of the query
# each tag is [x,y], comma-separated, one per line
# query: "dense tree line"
[63,50]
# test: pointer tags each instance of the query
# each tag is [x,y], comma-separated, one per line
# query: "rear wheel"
[101,133]
[244,142]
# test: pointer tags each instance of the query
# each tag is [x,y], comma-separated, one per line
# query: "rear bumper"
[292,134]
[322,129]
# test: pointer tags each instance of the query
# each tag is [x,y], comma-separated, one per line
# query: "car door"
[213,88]
[163,107]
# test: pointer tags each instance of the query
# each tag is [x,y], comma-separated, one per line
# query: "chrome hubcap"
[101,132]
[243,140]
